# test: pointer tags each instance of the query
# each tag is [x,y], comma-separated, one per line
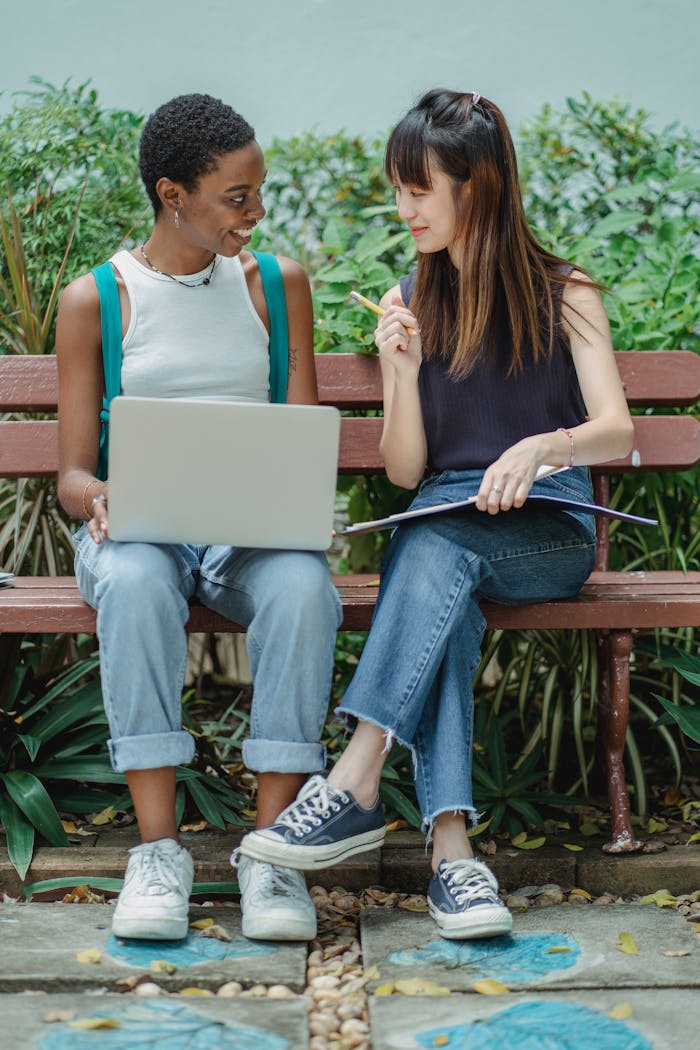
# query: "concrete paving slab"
[666,1020]
[214,1023]
[564,947]
[40,943]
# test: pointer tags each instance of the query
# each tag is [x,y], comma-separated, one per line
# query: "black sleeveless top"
[470,422]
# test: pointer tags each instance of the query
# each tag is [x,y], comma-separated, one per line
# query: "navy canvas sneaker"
[322,827]
[463,899]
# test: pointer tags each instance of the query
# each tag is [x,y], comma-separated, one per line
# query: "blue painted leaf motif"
[539,1026]
[190,952]
[520,959]
[164,1024]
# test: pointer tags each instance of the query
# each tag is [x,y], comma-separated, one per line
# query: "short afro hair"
[185,138]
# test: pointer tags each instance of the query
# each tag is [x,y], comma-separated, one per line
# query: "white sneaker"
[274,901]
[155,900]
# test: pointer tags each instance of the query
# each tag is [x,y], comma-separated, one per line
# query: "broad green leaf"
[206,803]
[688,718]
[530,843]
[400,803]
[616,222]
[19,833]
[33,799]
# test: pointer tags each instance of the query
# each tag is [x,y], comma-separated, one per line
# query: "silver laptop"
[204,472]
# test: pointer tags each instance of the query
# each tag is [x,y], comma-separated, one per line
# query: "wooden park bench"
[615,604]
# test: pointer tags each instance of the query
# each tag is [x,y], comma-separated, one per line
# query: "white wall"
[358,64]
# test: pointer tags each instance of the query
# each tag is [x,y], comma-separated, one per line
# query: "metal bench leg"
[613,711]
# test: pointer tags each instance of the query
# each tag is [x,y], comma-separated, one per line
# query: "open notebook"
[555,502]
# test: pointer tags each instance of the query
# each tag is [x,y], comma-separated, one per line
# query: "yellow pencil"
[363,301]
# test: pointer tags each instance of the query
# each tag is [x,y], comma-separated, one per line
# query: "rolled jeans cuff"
[151,750]
[284,756]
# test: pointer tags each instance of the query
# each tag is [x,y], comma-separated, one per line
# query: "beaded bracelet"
[94,481]
[571,443]
[97,499]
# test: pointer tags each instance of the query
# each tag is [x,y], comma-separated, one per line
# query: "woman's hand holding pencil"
[373,307]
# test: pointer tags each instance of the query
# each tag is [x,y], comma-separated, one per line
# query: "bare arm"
[301,381]
[403,445]
[80,385]
[608,432]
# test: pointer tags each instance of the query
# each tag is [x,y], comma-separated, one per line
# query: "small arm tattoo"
[292,360]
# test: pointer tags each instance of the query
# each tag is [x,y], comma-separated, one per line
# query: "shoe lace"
[466,882]
[279,882]
[156,873]
[314,804]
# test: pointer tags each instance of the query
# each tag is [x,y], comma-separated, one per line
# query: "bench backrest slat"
[30,449]
[652,378]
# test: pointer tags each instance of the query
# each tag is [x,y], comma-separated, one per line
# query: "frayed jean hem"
[470,815]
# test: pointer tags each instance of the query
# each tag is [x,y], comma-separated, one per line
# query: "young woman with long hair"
[497,362]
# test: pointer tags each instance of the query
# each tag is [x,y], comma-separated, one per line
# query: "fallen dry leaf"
[627,944]
[693,838]
[588,828]
[195,991]
[581,893]
[620,1012]
[216,931]
[478,829]
[201,924]
[90,1023]
[372,973]
[90,955]
[530,843]
[199,826]
[572,846]
[105,816]
[420,986]
[441,1040]
[677,954]
[654,826]
[162,966]
[58,1015]
[385,989]
[662,899]
[520,838]
[396,825]
[557,949]
[490,987]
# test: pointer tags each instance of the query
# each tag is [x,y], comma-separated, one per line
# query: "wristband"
[93,481]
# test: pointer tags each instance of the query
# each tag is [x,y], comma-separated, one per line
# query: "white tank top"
[206,342]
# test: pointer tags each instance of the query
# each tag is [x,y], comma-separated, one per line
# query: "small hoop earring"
[177,220]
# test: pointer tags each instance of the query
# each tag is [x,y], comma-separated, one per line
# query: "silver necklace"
[188,284]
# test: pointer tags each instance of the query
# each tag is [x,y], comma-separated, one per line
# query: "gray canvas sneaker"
[154,903]
[322,827]
[274,901]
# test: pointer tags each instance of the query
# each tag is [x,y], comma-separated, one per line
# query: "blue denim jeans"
[285,599]
[414,679]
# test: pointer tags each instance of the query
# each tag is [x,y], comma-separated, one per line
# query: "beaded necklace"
[187,284]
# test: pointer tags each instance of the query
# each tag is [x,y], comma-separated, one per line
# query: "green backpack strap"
[111,322]
[273,287]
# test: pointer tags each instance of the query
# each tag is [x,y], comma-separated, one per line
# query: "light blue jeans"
[414,679]
[285,599]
